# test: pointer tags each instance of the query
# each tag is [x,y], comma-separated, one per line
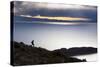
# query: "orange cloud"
[58,18]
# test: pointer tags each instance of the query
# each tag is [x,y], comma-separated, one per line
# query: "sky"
[54,26]
[55,11]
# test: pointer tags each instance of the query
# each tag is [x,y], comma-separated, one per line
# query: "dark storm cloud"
[54,10]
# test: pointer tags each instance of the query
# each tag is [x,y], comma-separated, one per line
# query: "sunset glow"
[58,18]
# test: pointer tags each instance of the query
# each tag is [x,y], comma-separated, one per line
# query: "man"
[32,42]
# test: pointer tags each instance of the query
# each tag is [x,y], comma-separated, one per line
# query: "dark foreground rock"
[27,55]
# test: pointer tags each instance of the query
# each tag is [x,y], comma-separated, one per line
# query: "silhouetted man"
[84,59]
[32,42]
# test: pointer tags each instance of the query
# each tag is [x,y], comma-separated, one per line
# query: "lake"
[90,57]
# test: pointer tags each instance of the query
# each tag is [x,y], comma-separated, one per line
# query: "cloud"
[27,6]
[58,18]
[55,10]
